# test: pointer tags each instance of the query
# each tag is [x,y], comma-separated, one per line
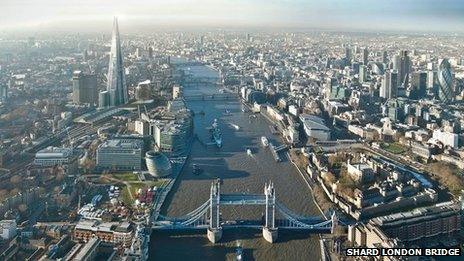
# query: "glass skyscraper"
[445,81]
[116,87]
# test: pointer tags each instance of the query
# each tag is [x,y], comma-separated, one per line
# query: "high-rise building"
[418,85]
[384,57]
[330,83]
[431,79]
[116,87]
[84,88]
[355,67]
[150,52]
[143,90]
[3,92]
[348,55]
[445,81]
[365,56]
[103,99]
[403,65]
[389,87]
[362,73]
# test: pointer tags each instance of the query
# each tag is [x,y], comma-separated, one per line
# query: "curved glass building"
[445,81]
[158,164]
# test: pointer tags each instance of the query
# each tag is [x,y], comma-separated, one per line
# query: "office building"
[445,81]
[3,92]
[315,127]
[103,99]
[8,229]
[54,156]
[447,138]
[385,57]
[142,127]
[173,136]
[120,154]
[389,87]
[84,88]
[143,90]
[362,73]
[158,164]
[402,64]
[365,56]
[418,88]
[348,55]
[116,87]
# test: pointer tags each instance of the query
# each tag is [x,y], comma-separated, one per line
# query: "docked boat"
[249,152]
[264,141]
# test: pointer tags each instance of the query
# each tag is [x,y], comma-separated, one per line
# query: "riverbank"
[240,173]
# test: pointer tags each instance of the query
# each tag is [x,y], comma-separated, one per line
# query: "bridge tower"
[334,219]
[214,232]
[269,229]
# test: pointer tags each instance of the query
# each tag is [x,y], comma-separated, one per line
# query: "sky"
[357,15]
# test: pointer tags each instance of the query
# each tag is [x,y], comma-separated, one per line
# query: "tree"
[329,177]
[15,180]
[14,191]
[3,194]
[22,208]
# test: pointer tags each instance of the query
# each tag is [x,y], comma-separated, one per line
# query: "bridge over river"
[211,97]
[207,216]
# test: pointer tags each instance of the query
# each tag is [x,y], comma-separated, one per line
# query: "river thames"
[240,173]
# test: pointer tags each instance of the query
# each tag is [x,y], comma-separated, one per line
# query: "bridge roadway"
[211,97]
[208,216]
[234,224]
[245,199]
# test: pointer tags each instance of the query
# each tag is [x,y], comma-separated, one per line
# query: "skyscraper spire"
[116,87]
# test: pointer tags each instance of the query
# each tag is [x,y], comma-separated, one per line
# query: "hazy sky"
[412,15]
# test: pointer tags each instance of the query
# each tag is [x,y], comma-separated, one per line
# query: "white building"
[142,127]
[292,109]
[176,91]
[8,228]
[315,127]
[447,138]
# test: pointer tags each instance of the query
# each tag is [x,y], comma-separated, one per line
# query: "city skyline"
[147,130]
[358,15]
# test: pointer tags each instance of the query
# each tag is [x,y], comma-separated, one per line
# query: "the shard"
[116,87]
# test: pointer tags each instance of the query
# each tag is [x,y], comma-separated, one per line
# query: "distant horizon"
[414,16]
[128,27]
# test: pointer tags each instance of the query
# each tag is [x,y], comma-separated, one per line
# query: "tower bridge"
[207,216]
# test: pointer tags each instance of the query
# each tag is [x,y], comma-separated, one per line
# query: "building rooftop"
[313,122]
[418,214]
[123,144]
[54,152]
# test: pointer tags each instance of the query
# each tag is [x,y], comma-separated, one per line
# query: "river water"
[240,173]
